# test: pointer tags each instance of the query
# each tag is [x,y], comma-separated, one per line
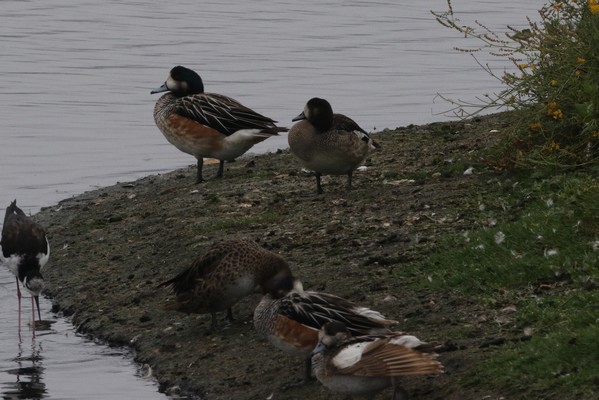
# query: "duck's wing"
[187,279]
[345,123]
[342,123]
[224,114]
[381,357]
[314,309]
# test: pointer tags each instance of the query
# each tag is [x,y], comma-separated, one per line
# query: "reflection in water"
[57,363]
[29,373]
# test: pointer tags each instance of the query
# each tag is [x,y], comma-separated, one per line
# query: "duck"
[25,251]
[229,270]
[290,318]
[365,365]
[328,143]
[207,124]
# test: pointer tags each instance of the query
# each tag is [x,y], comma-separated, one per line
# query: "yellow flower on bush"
[594,6]
[554,111]
[553,82]
[551,147]
[581,60]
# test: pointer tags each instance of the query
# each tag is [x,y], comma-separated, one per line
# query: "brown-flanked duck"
[207,124]
[290,317]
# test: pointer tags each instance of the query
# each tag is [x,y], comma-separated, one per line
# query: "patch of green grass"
[562,361]
[540,254]
[553,237]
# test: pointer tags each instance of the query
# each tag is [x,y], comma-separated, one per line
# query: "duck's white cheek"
[172,84]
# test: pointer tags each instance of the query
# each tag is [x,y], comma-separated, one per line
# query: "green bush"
[555,90]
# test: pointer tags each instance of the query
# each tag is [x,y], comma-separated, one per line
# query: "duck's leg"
[230,314]
[221,168]
[199,177]
[308,370]
[214,322]
[349,178]
[398,392]
[318,187]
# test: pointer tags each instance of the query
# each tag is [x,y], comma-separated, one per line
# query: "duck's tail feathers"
[170,282]
[374,316]
[365,137]
[274,130]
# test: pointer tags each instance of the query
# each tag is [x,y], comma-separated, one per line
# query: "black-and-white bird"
[25,251]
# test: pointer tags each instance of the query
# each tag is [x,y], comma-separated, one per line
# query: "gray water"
[76,111]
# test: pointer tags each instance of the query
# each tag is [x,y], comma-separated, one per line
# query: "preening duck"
[365,365]
[290,317]
[227,272]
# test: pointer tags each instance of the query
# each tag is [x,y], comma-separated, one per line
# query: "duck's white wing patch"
[350,355]
[408,341]
[368,313]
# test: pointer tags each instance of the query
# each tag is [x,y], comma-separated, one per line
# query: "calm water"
[76,111]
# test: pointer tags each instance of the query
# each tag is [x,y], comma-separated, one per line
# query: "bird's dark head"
[319,113]
[181,81]
[282,286]
[332,334]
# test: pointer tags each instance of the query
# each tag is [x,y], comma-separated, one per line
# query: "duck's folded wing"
[315,309]
[223,113]
[186,280]
[382,358]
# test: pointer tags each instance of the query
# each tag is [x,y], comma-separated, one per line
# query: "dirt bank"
[112,246]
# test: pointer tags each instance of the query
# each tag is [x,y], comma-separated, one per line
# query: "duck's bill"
[299,117]
[319,348]
[160,89]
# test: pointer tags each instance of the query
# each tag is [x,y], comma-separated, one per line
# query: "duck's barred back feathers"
[224,114]
[314,309]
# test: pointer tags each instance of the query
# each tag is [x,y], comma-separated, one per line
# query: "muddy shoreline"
[111,247]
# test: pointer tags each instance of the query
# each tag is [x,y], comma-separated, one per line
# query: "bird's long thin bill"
[37,303]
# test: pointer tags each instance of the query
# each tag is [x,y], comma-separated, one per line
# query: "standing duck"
[290,317]
[25,251]
[230,270]
[363,366]
[328,143]
[207,124]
